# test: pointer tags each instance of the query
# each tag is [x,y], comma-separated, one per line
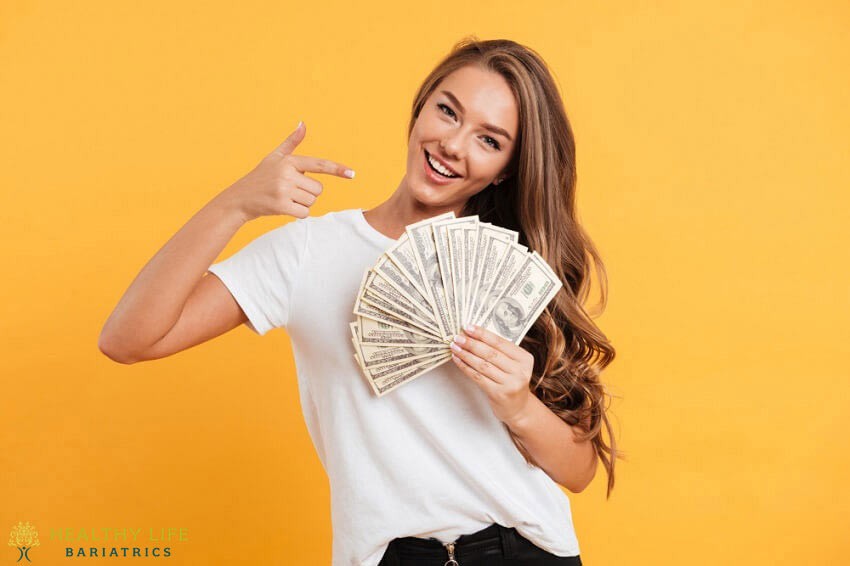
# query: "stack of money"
[442,273]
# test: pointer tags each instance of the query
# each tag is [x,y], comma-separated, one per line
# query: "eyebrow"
[490,127]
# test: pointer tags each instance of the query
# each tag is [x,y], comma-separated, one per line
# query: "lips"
[443,163]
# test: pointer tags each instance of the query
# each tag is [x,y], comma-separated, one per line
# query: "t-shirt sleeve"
[262,275]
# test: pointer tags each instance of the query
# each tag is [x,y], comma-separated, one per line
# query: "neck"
[393,215]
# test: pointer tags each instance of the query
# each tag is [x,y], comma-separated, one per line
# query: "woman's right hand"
[278,185]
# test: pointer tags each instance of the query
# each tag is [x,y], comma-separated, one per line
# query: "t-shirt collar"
[370,232]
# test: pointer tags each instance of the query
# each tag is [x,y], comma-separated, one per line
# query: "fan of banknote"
[442,273]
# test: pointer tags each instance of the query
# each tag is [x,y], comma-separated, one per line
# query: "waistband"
[495,536]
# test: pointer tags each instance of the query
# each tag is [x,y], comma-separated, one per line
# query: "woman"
[460,466]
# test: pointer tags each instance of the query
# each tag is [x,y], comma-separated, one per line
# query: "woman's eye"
[443,107]
[446,109]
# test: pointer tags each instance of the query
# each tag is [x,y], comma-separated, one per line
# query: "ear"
[509,170]
[501,178]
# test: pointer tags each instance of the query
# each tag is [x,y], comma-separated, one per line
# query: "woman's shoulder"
[334,219]
[331,216]
[320,220]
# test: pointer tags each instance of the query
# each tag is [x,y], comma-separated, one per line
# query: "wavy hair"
[537,200]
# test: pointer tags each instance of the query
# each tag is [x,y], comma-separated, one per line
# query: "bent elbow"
[579,486]
[113,353]
[574,487]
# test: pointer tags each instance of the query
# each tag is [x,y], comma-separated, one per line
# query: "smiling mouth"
[428,161]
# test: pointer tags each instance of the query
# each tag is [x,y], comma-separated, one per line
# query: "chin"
[432,196]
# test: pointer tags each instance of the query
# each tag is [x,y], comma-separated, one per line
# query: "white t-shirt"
[429,459]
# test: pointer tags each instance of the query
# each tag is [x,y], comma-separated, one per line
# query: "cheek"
[426,127]
[481,166]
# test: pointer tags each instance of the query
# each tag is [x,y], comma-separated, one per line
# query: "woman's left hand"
[499,367]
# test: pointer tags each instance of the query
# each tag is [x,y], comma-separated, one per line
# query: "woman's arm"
[170,305]
[552,446]
[154,301]
[503,371]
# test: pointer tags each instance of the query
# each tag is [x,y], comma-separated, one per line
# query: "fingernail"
[455,347]
[349,173]
[459,339]
[469,327]
[299,124]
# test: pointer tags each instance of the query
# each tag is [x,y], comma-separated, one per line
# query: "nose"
[452,145]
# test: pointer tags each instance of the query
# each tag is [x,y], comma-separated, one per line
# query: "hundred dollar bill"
[390,383]
[495,252]
[457,256]
[383,371]
[441,247]
[377,356]
[377,333]
[395,278]
[385,378]
[485,232]
[450,243]
[401,253]
[492,251]
[374,297]
[446,264]
[512,314]
[422,238]
[391,371]
[381,303]
[469,247]
[384,383]
[508,267]
[380,286]
[370,311]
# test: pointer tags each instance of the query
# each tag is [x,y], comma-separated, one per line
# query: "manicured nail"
[459,339]
[469,327]
[455,347]
[349,173]
[299,124]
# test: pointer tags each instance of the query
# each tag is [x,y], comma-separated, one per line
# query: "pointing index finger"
[306,163]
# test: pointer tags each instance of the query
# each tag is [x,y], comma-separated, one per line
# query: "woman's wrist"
[230,208]
[518,421]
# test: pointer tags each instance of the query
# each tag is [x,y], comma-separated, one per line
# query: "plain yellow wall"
[713,175]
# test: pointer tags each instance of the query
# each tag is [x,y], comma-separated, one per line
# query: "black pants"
[492,546]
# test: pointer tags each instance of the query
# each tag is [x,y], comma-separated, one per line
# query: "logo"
[85,542]
[24,537]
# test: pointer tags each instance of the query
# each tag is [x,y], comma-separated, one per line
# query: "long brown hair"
[537,200]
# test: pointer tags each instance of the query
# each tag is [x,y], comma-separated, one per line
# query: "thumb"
[292,141]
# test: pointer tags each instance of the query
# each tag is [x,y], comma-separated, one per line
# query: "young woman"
[462,465]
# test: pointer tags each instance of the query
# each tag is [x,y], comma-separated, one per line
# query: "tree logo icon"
[23,537]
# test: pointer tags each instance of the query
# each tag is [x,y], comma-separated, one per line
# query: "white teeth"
[436,165]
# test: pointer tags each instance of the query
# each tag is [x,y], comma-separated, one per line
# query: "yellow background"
[712,158]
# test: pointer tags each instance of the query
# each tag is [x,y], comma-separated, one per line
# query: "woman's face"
[454,127]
